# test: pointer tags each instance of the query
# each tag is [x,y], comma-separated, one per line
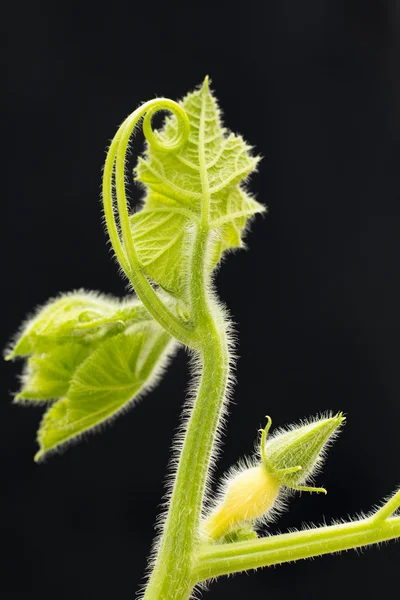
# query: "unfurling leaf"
[115,374]
[78,317]
[163,230]
[92,355]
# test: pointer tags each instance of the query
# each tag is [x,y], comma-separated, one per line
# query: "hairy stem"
[172,575]
[232,558]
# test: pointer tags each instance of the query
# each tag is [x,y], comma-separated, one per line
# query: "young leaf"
[78,317]
[236,211]
[114,375]
[174,183]
[160,240]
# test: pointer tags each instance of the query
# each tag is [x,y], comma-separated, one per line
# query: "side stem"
[214,561]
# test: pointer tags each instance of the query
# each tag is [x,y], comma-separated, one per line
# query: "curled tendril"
[155,139]
[115,169]
[120,230]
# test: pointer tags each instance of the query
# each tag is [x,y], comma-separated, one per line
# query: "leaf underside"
[113,376]
[93,356]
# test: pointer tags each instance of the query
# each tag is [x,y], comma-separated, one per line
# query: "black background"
[314,86]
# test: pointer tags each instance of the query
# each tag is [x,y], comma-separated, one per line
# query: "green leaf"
[232,219]
[48,376]
[90,353]
[174,185]
[161,239]
[108,381]
[80,317]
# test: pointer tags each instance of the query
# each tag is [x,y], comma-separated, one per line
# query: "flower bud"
[293,456]
[288,460]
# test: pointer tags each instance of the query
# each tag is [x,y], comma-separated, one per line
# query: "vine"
[89,355]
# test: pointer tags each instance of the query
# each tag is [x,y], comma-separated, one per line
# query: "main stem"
[172,576]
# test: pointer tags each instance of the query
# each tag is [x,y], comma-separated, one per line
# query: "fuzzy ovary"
[248,496]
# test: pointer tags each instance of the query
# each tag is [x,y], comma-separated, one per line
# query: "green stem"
[172,576]
[232,558]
